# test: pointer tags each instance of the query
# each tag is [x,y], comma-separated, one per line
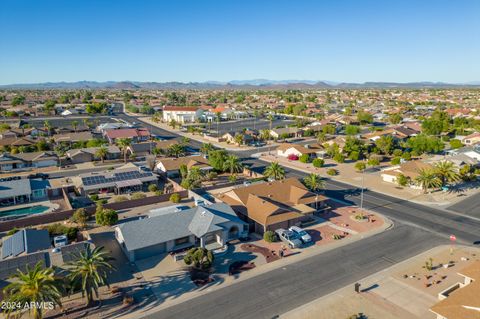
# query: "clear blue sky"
[355,41]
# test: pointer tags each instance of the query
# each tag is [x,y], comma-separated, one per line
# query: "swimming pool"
[24,211]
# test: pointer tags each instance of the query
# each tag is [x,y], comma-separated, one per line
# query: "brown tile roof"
[172,164]
[180,108]
[273,202]
[464,302]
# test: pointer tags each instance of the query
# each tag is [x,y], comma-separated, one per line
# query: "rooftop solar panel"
[18,243]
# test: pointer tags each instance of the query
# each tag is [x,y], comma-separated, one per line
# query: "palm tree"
[427,178]
[89,270]
[47,126]
[275,171]
[184,141]
[270,118]
[101,153]
[447,172]
[238,139]
[314,182]
[123,144]
[35,285]
[232,164]
[265,135]
[176,150]
[206,148]
[75,125]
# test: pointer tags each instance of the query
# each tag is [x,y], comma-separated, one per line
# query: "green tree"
[80,217]
[352,130]
[265,135]
[206,148]
[447,172]
[216,159]
[238,138]
[395,118]
[314,182]
[176,150]
[454,143]
[436,123]
[427,179]
[101,153]
[274,171]
[35,285]
[200,258]
[123,144]
[385,144]
[106,217]
[364,117]
[89,271]
[339,158]
[232,164]
[425,144]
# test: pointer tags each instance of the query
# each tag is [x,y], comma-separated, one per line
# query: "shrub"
[397,152]
[269,236]
[120,198]
[106,217]
[138,195]
[373,161]
[159,192]
[12,231]
[94,197]
[402,180]
[292,157]
[360,166]
[152,188]
[80,217]
[454,143]
[395,161]
[318,162]
[332,172]
[200,258]
[232,178]
[175,198]
[102,201]
[304,158]
[407,156]
[339,158]
[354,156]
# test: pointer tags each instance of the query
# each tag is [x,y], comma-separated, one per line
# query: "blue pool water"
[24,211]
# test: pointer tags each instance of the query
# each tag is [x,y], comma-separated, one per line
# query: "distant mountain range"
[237,84]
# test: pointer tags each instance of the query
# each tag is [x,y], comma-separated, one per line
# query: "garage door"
[150,251]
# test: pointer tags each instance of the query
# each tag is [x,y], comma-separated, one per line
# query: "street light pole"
[361,196]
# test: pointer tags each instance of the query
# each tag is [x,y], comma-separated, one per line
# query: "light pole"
[361,195]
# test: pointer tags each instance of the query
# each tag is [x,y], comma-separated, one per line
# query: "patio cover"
[131,182]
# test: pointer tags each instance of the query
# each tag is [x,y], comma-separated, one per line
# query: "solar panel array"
[14,245]
[117,177]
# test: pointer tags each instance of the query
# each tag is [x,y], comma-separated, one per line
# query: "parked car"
[289,237]
[302,234]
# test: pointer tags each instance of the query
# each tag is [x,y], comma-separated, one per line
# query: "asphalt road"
[417,228]
[440,222]
[469,206]
[284,289]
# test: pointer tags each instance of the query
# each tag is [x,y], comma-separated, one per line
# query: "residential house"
[37,159]
[471,139]
[102,128]
[470,151]
[141,149]
[134,134]
[210,227]
[229,137]
[85,155]
[72,137]
[409,169]
[181,114]
[462,300]
[288,149]
[285,132]
[171,166]
[17,142]
[274,205]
